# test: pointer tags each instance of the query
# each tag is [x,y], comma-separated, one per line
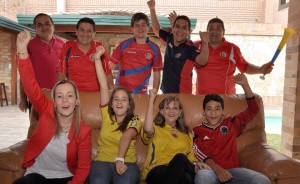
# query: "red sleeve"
[157,63]
[105,60]
[116,55]
[241,62]
[246,116]
[84,156]
[39,101]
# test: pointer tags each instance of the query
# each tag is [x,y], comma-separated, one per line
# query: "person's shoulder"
[59,39]
[227,43]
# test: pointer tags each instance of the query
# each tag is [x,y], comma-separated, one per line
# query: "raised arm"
[104,94]
[202,58]
[241,79]
[148,124]
[154,20]
[31,88]
[172,17]
[156,79]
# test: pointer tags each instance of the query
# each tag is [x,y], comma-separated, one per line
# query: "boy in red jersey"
[216,138]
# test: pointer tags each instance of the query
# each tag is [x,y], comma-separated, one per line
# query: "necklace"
[66,129]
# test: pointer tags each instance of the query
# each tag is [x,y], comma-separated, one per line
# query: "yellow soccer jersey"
[109,139]
[164,145]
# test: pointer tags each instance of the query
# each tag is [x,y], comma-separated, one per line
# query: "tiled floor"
[13,125]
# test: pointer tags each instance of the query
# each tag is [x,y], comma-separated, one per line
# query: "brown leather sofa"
[254,153]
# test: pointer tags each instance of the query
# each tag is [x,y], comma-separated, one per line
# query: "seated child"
[216,138]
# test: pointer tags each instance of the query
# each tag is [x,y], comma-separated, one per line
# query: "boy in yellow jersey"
[170,155]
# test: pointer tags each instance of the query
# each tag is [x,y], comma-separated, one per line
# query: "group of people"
[59,150]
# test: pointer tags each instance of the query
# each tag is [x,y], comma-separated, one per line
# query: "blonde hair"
[76,115]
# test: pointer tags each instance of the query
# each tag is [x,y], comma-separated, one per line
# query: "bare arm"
[104,93]
[148,124]
[264,69]
[124,143]
[154,20]
[222,174]
[110,81]
[202,58]
[241,79]
[156,79]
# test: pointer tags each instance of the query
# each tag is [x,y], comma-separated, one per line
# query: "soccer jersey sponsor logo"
[224,130]
[148,55]
[75,56]
[131,52]
[177,55]
[174,133]
[223,54]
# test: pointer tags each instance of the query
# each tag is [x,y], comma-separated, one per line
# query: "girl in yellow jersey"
[116,156]
[170,155]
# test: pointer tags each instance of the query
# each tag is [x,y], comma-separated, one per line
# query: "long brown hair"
[160,120]
[129,113]
[76,115]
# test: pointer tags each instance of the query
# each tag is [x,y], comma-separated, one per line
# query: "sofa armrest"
[264,159]
[11,159]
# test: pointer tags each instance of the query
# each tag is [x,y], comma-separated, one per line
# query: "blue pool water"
[273,125]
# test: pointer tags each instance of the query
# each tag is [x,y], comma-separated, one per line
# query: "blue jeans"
[240,176]
[106,173]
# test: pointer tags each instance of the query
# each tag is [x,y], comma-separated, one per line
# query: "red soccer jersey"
[81,68]
[44,60]
[219,143]
[216,76]
[136,62]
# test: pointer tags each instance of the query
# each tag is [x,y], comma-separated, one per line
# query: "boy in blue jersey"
[136,57]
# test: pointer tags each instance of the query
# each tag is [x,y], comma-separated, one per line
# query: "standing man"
[77,58]
[137,56]
[44,50]
[224,58]
[181,54]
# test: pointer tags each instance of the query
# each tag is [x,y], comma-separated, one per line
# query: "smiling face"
[181,31]
[216,33]
[140,29]
[213,113]
[85,33]
[120,104]
[171,112]
[44,27]
[65,99]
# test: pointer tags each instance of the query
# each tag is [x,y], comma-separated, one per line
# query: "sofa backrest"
[193,112]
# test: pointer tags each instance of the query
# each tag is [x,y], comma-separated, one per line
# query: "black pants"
[35,178]
[179,171]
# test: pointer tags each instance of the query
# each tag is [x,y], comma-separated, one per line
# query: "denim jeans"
[106,173]
[240,176]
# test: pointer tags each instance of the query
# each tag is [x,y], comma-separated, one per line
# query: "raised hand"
[152,93]
[172,17]
[204,36]
[99,52]
[151,4]
[23,39]
[240,79]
